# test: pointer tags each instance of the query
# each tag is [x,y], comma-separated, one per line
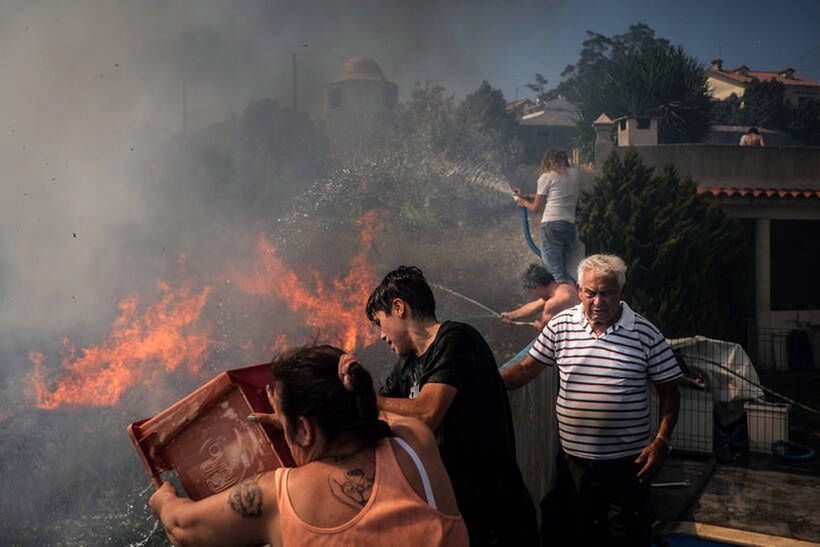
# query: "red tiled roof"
[765,76]
[760,192]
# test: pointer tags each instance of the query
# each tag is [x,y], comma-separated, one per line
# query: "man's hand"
[652,458]
[538,325]
[506,317]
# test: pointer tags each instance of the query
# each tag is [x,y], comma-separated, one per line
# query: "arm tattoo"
[352,487]
[246,498]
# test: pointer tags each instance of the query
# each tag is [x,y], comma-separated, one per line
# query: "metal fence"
[781,349]
[725,410]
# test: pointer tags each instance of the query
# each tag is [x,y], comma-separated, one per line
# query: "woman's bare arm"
[238,516]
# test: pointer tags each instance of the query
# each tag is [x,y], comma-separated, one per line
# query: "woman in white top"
[557,195]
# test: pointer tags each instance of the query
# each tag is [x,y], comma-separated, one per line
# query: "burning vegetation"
[163,337]
[334,308]
[174,333]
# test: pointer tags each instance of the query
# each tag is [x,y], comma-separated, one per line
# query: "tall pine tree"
[680,248]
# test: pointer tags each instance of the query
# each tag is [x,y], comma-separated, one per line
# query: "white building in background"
[358,98]
[544,125]
[725,83]
[637,130]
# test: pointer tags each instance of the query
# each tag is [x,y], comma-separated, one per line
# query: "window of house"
[644,123]
[795,262]
[622,125]
[335,98]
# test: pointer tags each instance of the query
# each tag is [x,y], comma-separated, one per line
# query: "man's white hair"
[601,265]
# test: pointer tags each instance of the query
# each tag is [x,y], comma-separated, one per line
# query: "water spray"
[482,174]
[492,312]
[144,540]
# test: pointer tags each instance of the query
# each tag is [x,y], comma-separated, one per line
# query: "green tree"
[636,73]
[429,115]
[479,129]
[663,81]
[680,248]
[426,159]
[540,88]
[727,111]
[804,122]
[764,105]
[598,52]
[485,131]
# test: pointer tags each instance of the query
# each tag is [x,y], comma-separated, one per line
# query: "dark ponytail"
[366,402]
[308,384]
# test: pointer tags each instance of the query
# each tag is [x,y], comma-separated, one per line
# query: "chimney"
[787,73]
[743,70]
[603,139]
[717,64]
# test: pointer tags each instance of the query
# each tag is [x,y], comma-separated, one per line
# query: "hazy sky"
[227,52]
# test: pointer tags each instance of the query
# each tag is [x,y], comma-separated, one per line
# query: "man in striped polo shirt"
[606,356]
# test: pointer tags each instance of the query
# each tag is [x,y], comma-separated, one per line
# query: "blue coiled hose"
[525,225]
[799,452]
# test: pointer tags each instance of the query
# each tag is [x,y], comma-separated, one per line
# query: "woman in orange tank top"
[358,481]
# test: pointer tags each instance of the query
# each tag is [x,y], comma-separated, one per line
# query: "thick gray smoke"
[94,93]
[126,140]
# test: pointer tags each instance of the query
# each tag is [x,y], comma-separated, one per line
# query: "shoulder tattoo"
[246,498]
[352,487]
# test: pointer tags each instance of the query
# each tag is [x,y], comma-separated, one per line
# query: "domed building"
[358,97]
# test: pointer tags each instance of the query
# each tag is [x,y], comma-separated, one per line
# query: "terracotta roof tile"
[764,76]
[760,192]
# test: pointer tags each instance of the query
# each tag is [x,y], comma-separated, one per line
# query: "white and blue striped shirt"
[603,403]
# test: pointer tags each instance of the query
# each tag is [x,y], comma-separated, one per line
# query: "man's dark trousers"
[597,502]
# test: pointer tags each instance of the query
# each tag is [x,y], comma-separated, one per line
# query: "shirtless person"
[752,138]
[551,297]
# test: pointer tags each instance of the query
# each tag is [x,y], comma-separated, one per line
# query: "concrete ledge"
[715,165]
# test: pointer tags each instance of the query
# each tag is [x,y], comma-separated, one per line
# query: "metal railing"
[725,408]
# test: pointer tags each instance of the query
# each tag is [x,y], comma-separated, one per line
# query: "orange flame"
[166,336]
[280,344]
[163,336]
[336,308]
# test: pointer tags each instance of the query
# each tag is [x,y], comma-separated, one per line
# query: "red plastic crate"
[207,439]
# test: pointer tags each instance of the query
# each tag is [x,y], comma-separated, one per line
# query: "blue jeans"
[557,237]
